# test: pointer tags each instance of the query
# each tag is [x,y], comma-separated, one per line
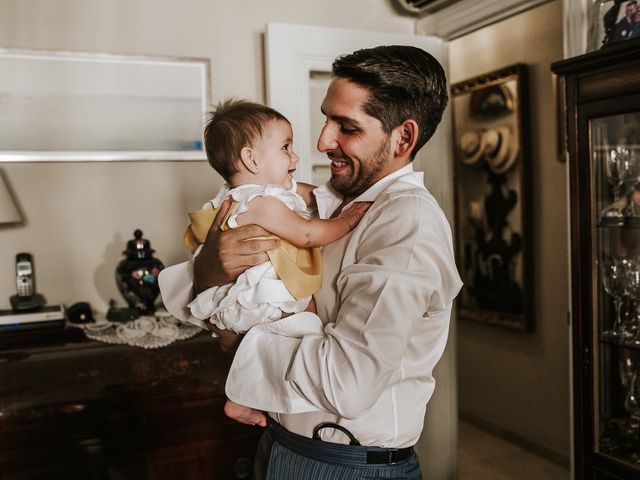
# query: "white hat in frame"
[501,149]
[471,145]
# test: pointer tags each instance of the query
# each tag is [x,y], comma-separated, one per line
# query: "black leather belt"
[375,455]
[389,456]
[354,454]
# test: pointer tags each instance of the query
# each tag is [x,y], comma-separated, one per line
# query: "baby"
[251,147]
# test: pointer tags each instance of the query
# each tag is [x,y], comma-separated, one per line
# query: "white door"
[298,62]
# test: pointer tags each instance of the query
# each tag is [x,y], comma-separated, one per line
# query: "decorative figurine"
[137,275]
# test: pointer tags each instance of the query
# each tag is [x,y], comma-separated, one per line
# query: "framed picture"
[611,22]
[64,106]
[492,198]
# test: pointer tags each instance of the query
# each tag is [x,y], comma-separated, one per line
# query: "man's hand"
[225,255]
[246,415]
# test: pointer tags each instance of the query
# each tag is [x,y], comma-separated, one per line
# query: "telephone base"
[27,304]
[48,315]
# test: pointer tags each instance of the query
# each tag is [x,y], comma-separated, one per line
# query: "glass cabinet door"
[615,154]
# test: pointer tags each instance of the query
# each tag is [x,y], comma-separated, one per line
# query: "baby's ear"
[248,158]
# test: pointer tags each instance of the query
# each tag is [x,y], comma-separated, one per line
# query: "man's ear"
[248,158]
[407,138]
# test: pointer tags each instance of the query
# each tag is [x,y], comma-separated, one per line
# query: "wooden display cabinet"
[601,92]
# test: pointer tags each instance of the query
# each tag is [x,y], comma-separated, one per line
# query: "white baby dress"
[258,295]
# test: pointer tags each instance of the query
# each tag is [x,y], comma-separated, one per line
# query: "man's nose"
[327,139]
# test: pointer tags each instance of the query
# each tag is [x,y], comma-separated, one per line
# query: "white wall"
[518,383]
[80,215]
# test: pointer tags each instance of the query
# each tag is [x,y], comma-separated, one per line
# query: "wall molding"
[466,16]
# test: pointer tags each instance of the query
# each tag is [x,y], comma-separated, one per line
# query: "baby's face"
[275,156]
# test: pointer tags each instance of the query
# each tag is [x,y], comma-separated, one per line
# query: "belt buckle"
[390,452]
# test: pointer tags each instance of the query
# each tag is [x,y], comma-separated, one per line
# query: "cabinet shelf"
[619,222]
[619,344]
[616,442]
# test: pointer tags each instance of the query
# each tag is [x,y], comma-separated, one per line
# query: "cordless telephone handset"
[26,298]
[24,275]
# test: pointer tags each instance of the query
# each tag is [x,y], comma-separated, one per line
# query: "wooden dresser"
[76,408]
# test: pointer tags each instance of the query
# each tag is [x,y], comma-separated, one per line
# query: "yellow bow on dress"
[299,268]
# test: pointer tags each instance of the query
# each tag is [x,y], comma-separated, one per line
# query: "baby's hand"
[354,214]
[246,415]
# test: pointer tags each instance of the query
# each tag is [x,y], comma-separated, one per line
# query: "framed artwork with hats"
[492,198]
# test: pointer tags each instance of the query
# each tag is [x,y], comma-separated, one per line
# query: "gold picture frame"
[492,198]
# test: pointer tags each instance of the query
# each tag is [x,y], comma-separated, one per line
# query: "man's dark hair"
[403,82]
[233,125]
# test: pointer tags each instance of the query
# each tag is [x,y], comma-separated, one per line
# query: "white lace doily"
[102,331]
[149,331]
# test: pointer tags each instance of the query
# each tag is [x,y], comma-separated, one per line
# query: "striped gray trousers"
[283,455]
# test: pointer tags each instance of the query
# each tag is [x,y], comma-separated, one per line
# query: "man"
[357,376]
[635,31]
[623,28]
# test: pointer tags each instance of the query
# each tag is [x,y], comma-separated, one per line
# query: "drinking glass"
[616,175]
[615,283]
[614,168]
[630,379]
[633,289]
[628,163]
[632,406]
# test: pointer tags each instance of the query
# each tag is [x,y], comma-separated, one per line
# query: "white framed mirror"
[69,106]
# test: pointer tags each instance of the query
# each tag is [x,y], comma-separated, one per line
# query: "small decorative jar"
[137,275]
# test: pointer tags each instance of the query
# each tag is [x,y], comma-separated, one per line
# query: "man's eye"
[347,131]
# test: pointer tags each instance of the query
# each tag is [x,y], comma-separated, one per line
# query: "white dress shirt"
[366,360]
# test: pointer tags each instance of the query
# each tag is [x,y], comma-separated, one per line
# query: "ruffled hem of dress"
[238,309]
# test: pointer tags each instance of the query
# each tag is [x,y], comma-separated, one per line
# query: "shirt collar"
[328,199]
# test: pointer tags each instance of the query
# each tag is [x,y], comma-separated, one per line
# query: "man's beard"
[357,183]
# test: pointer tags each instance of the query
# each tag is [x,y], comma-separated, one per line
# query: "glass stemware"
[630,169]
[615,283]
[628,378]
[613,167]
[628,165]
[632,406]
[633,289]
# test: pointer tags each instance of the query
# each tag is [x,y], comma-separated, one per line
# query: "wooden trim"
[601,58]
